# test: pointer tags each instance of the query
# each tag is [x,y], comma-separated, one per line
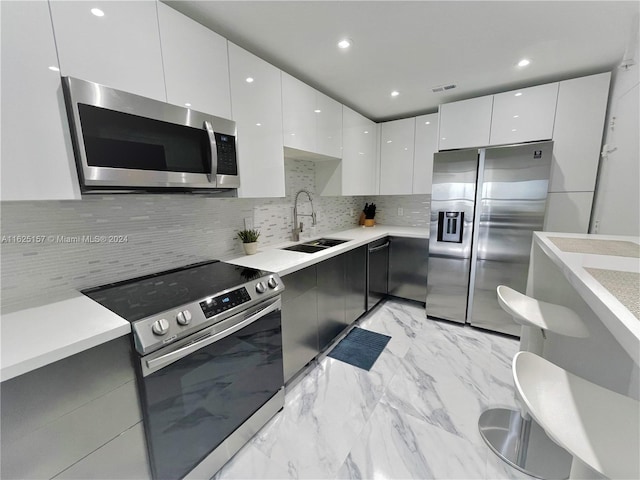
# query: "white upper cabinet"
[257,111]
[397,140]
[37,156]
[524,115]
[359,157]
[465,124]
[577,134]
[328,114]
[312,122]
[120,49]
[196,66]
[299,117]
[426,144]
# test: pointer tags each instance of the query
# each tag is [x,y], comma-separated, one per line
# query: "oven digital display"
[219,304]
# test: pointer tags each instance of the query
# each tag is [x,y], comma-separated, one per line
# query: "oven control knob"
[160,327]
[273,283]
[184,317]
[261,287]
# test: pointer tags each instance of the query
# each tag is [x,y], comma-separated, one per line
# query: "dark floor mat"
[360,348]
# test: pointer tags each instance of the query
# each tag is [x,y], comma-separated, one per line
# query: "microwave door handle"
[169,358]
[214,151]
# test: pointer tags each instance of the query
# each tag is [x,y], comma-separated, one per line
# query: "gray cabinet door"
[356,284]
[331,299]
[299,320]
[408,259]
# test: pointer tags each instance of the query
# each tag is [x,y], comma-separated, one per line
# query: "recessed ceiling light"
[344,43]
[427,123]
[389,141]
[516,116]
[317,110]
[258,124]
[249,80]
[514,130]
[406,148]
[97,12]
[524,62]
[53,68]
[395,93]
[187,104]
[360,153]
[518,94]
[366,131]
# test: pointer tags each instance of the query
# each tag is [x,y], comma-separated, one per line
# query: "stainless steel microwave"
[127,142]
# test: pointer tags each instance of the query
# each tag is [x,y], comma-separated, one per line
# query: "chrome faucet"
[297,228]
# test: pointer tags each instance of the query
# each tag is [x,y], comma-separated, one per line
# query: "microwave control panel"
[226,149]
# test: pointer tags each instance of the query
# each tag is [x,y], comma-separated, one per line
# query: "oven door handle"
[168,358]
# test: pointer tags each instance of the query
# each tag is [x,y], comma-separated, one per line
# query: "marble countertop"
[273,259]
[617,317]
[35,337]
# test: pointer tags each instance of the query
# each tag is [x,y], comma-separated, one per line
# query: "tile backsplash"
[149,233]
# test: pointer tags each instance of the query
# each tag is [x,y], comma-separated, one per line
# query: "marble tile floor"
[414,415]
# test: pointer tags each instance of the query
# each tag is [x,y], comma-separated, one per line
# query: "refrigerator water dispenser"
[450,226]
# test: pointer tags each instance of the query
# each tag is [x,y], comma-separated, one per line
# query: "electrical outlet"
[248,223]
[400,211]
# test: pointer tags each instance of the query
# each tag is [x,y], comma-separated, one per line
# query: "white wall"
[617,202]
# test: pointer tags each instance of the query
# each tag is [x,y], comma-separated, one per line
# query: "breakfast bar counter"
[598,276]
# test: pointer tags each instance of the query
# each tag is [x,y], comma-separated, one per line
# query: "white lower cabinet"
[37,156]
[196,66]
[426,144]
[257,111]
[119,49]
[397,140]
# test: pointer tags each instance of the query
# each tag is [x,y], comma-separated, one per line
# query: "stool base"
[523,444]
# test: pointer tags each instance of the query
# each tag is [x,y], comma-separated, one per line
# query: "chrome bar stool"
[511,434]
[598,427]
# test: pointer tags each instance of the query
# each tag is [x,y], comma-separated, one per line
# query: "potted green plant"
[249,240]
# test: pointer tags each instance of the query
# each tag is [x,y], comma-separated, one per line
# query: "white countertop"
[282,262]
[616,317]
[35,337]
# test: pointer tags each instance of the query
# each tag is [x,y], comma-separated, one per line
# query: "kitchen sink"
[313,246]
[325,242]
[305,248]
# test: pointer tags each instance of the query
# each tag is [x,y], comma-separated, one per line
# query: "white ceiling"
[412,46]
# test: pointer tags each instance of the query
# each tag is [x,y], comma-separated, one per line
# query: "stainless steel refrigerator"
[485,205]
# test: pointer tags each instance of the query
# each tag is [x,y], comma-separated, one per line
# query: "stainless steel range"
[210,370]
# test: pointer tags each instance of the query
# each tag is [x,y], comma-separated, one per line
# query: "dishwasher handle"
[378,248]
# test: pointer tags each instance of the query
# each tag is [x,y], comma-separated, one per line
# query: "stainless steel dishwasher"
[377,271]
